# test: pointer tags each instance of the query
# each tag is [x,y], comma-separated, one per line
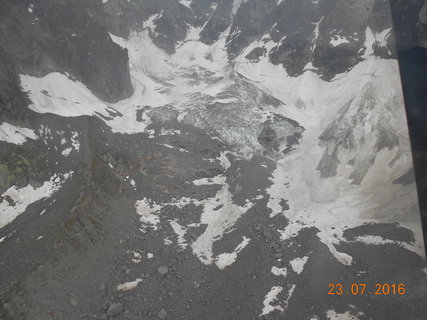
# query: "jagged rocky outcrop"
[68,37]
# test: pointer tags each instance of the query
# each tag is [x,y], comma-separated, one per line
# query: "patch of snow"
[66,152]
[372,38]
[269,299]
[279,271]
[338,40]
[169,132]
[297,264]
[209,181]
[25,196]
[136,256]
[316,33]
[378,241]
[14,134]
[167,145]
[374,240]
[186,3]
[148,212]
[217,221]
[180,231]
[150,23]
[74,141]
[333,315]
[128,285]
[225,163]
[227,259]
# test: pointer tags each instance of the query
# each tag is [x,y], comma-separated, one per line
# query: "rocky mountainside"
[180,159]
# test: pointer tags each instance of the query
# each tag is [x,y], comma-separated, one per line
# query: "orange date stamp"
[383,289]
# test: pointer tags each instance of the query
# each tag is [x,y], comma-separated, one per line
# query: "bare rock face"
[310,31]
[65,36]
[162,314]
[422,14]
[162,270]
[12,99]
[114,310]
[409,20]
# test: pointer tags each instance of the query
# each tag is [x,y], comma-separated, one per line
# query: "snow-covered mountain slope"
[353,123]
[263,145]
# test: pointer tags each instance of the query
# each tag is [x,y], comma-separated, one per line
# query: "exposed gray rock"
[162,270]
[115,309]
[65,37]
[162,314]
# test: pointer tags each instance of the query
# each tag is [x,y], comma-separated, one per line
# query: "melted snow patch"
[136,256]
[272,297]
[67,151]
[14,134]
[219,214]
[148,212]
[372,38]
[269,299]
[180,231]
[21,198]
[74,141]
[209,181]
[128,285]
[374,240]
[297,264]
[169,132]
[227,259]
[279,271]
[338,40]
[225,163]
[333,315]
[186,3]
